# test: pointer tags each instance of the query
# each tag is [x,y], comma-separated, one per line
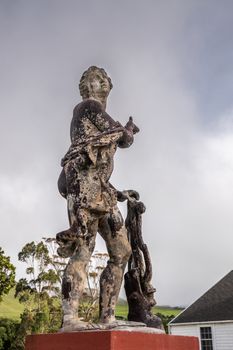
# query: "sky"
[170,62]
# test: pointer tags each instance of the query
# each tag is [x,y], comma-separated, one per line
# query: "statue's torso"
[89,136]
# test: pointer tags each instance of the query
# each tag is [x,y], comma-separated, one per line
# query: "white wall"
[222,333]
[191,330]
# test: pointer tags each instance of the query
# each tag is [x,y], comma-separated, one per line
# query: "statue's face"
[98,84]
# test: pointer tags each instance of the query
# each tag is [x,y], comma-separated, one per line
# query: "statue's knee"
[128,252]
[124,255]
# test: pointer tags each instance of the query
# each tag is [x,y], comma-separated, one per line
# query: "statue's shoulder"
[88,106]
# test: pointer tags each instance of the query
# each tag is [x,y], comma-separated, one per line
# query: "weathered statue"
[92,200]
[138,287]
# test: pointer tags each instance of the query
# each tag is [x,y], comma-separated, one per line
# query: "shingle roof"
[215,305]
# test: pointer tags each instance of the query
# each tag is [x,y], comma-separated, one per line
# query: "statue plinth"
[110,340]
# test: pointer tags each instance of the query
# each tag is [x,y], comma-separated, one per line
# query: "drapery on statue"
[92,201]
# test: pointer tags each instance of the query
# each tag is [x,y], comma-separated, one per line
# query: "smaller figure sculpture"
[138,287]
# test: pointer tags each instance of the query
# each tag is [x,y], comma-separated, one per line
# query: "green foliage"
[10,306]
[40,292]
[165,320]
[167,310]
[8,329]
[44,269]
[7,274]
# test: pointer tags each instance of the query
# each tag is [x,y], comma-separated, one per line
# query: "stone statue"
[138,287]
[92,200]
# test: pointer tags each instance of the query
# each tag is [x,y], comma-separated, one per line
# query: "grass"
[167,311]
[11,308]
[122,310]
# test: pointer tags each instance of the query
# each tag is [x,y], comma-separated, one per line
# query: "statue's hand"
[130,126]
[127,195]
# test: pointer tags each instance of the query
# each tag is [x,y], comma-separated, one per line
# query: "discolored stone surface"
[92,200]
[138,287]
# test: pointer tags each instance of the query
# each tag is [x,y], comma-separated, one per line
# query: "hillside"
[122,310]
[11,308]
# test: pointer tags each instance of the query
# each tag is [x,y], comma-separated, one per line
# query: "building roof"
[215,305]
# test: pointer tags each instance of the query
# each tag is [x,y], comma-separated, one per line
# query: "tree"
[88,308]
[7,274]
[44,268]
[40,292]
[8,330]
[165,320]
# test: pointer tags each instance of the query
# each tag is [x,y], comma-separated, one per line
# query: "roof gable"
[215,305]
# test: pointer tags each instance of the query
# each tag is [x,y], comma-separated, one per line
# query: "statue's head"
[95,83]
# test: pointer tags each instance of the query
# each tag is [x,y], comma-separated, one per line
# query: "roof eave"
[200,322]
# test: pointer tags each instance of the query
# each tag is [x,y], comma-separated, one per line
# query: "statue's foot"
[130,326]
[75,325]
[119,324]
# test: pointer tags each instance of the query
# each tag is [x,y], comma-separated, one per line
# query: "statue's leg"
[69,185]
[112,229]
[74,278]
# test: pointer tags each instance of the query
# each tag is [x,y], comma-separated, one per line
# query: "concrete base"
[110,340]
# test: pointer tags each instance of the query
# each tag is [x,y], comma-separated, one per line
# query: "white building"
[210,318]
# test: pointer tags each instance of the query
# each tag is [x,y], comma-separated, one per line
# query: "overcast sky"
[171,68]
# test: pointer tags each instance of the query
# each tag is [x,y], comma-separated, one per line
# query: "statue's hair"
[83,86]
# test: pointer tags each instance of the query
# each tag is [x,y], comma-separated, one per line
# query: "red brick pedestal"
[110,340]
